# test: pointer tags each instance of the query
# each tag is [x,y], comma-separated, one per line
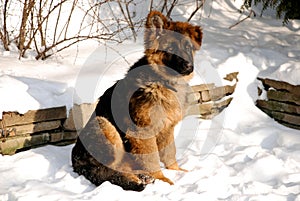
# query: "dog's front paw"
[175,166]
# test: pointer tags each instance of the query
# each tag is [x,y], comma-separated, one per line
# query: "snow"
[242,154]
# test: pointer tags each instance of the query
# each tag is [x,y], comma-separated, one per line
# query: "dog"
[132,128]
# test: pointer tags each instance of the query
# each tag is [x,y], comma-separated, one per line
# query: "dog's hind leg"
[98,155]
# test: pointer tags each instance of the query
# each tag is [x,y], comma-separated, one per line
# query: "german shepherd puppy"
[132,128]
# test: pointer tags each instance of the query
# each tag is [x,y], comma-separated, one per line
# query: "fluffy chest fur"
[155,104]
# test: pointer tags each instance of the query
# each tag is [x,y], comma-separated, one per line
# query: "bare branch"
[171,8]
[4,36]
[27,9]
[76,39]
[70,15]
[164,6]
[250,13]
[57,21]
[151,5]
[196,9]
[128,18]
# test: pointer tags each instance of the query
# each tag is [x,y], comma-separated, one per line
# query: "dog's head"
[171,44]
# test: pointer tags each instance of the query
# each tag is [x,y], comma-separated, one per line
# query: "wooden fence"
[54,126]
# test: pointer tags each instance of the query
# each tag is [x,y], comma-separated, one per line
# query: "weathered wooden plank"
[283,117]
[211,86]
[290,125]
[283,97]
[63,136]
[217,93]
[288,118]
[278,106]
[213,94]
[280,85]
[208,110]
[72,135]
[11,145]
[203,87]
[33,116]
[35,127]
[56,137]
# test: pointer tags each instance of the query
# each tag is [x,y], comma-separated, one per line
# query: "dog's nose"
[189,66]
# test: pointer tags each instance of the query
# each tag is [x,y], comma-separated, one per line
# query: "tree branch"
[196,10]
[250,13]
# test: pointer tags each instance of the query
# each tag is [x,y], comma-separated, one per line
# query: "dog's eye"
[170,49]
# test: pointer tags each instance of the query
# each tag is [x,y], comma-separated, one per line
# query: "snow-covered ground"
[242,154]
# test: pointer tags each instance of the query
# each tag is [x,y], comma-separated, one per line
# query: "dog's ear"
[155,26]
[156,22]
[196,35]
